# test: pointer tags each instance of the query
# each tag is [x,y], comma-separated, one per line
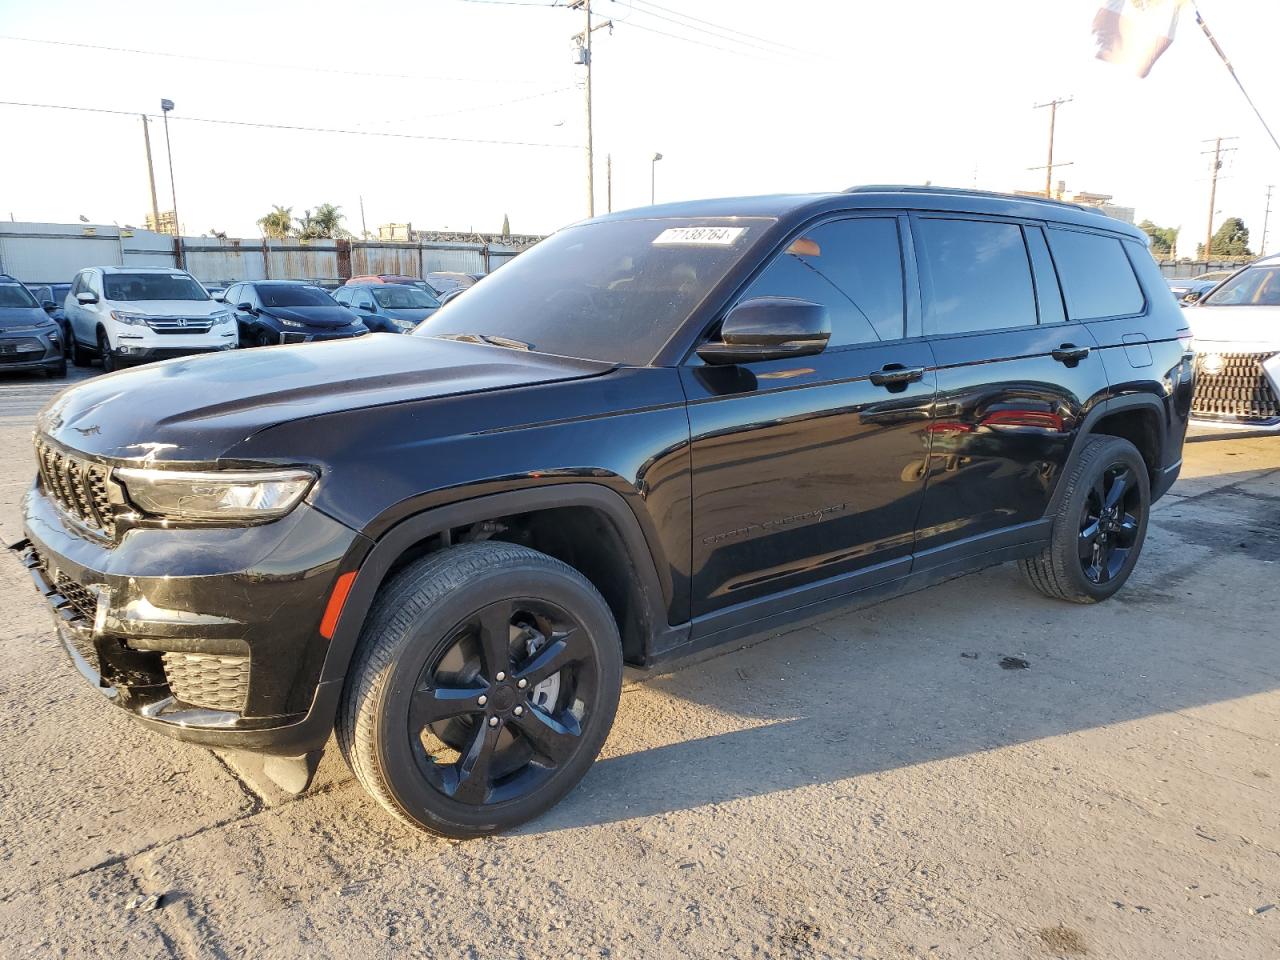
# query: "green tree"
[1163,239]
[325,222]
[277,224]
[1231,240]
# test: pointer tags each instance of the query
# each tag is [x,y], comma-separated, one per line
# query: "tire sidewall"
[1113,452]
[423,639]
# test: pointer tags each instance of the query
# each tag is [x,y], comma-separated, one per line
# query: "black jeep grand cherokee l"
[654,432]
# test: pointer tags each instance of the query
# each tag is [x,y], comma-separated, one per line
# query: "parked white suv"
[129,315]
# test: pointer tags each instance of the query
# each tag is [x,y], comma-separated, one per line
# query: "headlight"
[217,494]
[132,319]
[405,324]
[290,323]
[222,316]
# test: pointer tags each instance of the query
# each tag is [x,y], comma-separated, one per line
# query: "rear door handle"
[895,374]
[1069,353]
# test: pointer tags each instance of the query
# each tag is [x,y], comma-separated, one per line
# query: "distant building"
[1099,201]
[395,232]
[165,224]
[515,241]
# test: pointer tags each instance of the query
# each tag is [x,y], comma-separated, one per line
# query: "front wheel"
[1099,526]
[104,351]
[483,687]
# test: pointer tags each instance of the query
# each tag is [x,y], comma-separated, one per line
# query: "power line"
[260,63]
[701,43]
[476,107]
[710,23]
[714,33]
[297,128]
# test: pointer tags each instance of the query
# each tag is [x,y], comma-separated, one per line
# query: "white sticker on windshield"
[702,236]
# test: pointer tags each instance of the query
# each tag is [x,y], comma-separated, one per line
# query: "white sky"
[884,92]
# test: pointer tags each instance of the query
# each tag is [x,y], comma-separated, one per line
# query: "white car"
[1237,343]
[129,315]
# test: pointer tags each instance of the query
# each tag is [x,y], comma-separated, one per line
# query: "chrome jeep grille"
[1234,385]
[179,324]
[79,487]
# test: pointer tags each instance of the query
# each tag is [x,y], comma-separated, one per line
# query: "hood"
[196,408]
[416,314]
[1246,329]
[20,318]
[322,316]
[166,308]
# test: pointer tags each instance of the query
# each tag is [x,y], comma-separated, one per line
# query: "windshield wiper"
[492,339]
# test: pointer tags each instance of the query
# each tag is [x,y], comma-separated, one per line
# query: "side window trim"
[1048,283]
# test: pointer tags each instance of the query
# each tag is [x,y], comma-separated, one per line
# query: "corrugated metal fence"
[50,253]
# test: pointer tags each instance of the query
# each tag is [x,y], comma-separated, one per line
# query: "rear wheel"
[484,685]
[1099,527]
[77,353]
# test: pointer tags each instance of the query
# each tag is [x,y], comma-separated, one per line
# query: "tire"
[109,364]
[263,339]
[78,355]
[1093,548]
[503,726]
[59,372]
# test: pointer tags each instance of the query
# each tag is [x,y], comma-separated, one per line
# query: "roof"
[117,269]
[897,197]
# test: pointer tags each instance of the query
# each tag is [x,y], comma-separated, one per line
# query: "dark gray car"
[388,307]
[30,339]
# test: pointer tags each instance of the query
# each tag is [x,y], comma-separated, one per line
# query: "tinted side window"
[1097,277]
[853,268]
[975,274]
[342,295]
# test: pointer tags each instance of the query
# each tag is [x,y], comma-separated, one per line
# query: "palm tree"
[277,224]
[323,222]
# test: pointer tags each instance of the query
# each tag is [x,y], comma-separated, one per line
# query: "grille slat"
[79,487]
[180,324]
[215,681]
[1239,390]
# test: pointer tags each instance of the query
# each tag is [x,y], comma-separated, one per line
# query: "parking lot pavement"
[877,785]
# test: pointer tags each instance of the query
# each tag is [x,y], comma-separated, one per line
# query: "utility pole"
[1053,122]
[608,179]
[1217,152]
[1266,218]
[364,230]
[151,173]
[584,57]
[165,107]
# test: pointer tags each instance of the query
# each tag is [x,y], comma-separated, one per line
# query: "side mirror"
[769,328]
[245,307]
[86,296]
[49,306]
[219,298]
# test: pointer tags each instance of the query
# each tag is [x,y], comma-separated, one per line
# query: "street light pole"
[165,107]
[653,167]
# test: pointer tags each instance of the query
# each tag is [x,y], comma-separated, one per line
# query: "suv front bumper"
[209,634]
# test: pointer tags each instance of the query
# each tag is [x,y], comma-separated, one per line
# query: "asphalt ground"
[874,786]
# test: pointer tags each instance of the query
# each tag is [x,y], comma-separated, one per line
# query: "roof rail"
[964,192]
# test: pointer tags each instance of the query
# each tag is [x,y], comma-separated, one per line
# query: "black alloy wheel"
[504,705]
[1110,523]
[483,686]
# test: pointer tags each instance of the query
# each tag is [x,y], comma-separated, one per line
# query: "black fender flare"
[371,569]
[1130,401]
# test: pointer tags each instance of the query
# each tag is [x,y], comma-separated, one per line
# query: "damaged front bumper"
[207,634]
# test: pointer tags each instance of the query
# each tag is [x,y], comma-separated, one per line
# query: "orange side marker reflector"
[334,608]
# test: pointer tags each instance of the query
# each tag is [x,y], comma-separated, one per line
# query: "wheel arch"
[619,562]
[1138,418]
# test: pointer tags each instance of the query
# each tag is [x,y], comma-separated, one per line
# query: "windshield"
[613,290]
[151,286]
[16,295]
[1255,287]
[293,295]
[401,296]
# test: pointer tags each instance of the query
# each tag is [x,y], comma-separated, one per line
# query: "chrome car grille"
[211,680]
[179,325]
[79,487]
[1234,386]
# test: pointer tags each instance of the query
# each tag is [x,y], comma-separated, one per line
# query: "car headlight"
[405,324]
[222,316]
[216,494]
[290,323]
[132,319]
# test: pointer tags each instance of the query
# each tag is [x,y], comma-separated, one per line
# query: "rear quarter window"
[1097,278]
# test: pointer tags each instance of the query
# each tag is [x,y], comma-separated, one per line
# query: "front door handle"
[893,375]
[1069,353]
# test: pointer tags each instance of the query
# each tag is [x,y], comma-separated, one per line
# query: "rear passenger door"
[1016,379]
[808,472]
